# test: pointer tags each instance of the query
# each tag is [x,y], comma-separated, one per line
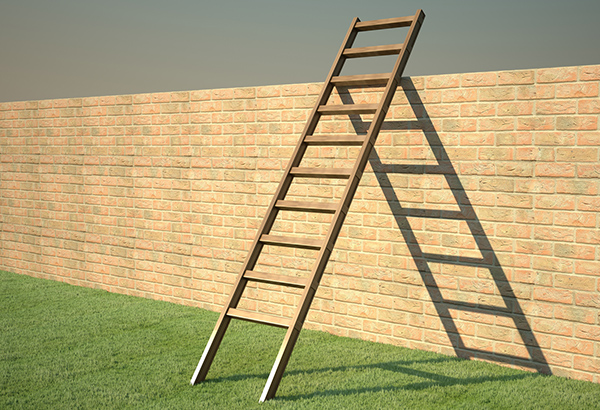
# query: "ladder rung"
[384,23]
[335,140]
[348,109]
[274,279]
[363,79]
[259,318]
[321,172]
[306,206]
[291,242]
[373,51]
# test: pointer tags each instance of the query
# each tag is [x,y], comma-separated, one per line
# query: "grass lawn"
[64,346]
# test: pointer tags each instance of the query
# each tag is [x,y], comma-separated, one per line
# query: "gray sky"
[78,48]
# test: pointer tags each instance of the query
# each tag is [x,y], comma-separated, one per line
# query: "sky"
[80,48]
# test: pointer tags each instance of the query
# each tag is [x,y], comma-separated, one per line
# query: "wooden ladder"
[339,209]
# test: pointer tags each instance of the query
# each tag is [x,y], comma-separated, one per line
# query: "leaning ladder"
[339,209]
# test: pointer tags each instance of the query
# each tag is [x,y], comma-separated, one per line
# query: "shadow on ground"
[404,370]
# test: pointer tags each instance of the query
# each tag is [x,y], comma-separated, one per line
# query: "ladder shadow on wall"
[494,321]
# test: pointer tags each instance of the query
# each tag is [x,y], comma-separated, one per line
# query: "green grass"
[70,347]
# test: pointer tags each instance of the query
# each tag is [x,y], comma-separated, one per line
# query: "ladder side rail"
[307,297]
[223,322]
[296,158]
[293,331]
[366,148]
[299,151]
[297,321]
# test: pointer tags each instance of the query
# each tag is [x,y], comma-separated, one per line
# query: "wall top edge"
[516,76]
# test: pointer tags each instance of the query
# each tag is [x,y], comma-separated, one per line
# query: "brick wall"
[475,231]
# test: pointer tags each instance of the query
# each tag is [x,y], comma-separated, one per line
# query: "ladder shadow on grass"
[427,379]
[413,378]
[531,355]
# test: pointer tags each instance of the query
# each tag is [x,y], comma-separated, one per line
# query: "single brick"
[478,79]
[588,171]
[280,103]
[555,327]
[556,107]
[450,96]
[515,201]
[574,282]
[535,123]
[583,331]
[591,300]
[554,233]
[590,236]
[479,139]
[123,99]
[156,98]
[200,95]
[228,105]
[589,73]
[268,91]
[180,96]
[580,122]
[577,154]
[577,90]
[477,110]
[553,295]
[556,75]
[531,248]
[563,202]
[572,345]
[496,154]
[514,169]
[459,125]
[513,138]
[554,138]
[244,93]
[422,97]
[588,364]
[515,108]
[496,124]
[516,77]
[443,81]
[588,204]
[222,94]
[294,89]
[591,106]
[513,230]
[535,92]
[554,170]
[438,111]
[497,94]
[211,106]
[577,187]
